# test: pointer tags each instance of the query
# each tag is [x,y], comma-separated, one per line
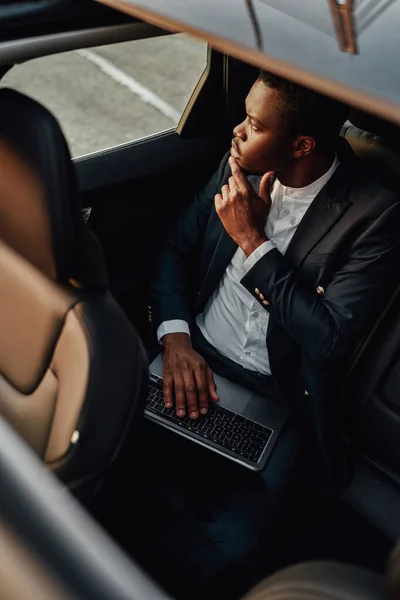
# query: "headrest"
[24,219]
[377,126]
[35,137]
[376,142]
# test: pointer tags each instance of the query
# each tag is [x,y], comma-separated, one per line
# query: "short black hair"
[308,112]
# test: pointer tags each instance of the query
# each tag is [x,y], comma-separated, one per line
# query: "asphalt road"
[109,95]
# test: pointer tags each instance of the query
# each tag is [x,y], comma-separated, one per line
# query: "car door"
[143,111]
[135,189]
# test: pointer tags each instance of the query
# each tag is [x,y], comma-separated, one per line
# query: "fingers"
[202,387]
[190,390]
[225,192]
[230,191]
[190,384]
[218,201]
[180,395]
[238,175]
[233,187]
[174,385]
[265,187]
[212,388]
[168,384]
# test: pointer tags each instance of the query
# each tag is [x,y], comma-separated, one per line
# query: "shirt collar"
[313,188]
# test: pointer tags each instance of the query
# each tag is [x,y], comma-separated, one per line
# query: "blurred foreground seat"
[73,372]
[330,581]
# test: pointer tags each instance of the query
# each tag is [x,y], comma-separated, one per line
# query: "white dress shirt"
[232,320]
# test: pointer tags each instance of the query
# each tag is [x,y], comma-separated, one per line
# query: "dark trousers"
[219,516]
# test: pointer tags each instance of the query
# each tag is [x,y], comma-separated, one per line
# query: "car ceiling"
[297,40]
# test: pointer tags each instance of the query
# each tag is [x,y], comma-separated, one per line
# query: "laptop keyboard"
[225,428]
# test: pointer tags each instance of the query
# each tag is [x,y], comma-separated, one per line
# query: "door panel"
[135,191]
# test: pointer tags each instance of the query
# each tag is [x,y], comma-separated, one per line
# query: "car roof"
[348,52]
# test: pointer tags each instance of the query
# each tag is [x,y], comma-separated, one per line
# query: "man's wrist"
[176,340]
[250,246]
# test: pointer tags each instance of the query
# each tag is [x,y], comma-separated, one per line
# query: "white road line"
[129,82]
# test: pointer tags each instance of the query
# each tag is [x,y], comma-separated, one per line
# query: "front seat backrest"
[48,230]
[73,372]
[44,356]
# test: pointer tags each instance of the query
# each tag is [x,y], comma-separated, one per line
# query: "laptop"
[242,426]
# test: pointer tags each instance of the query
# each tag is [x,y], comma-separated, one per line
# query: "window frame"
[23,51]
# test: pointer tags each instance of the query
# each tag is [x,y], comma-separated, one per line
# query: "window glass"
[110,95]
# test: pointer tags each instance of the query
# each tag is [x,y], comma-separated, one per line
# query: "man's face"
[262,142]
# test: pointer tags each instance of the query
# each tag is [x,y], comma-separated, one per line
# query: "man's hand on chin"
[242,211]
[187,376]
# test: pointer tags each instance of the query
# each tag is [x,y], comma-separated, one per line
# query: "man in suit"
[270,277]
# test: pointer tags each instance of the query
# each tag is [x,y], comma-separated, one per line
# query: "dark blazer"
[323,295]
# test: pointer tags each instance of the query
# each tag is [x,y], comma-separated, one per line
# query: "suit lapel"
[325,210]
[316,223]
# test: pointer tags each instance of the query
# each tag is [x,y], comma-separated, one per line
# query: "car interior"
[76,325]
[54,375]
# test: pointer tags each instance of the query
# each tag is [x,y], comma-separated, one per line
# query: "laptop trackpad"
[232,396]
[258,408]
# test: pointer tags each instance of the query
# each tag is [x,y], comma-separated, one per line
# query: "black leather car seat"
[373,422]
[373,389]
[73,372]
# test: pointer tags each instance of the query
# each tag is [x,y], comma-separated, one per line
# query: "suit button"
[306,393]
[257,291]
[320,290]
[262,297]
[265,302]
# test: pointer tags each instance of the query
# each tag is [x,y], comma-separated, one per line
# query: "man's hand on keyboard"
[186,374]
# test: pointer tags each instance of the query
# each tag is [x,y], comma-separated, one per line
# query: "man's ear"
[303,145]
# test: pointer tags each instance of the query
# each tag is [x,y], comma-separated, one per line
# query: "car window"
[110,95]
